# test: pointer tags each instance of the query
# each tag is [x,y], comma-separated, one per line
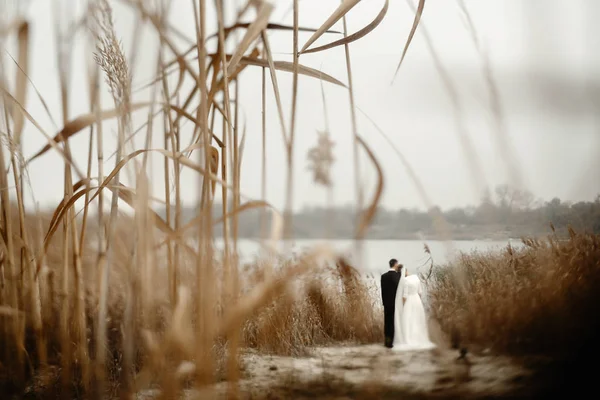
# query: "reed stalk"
[288,227]
[204,263]
[10,293]
[263,166]
[355,142]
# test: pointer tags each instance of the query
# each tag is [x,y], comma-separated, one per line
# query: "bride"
[410,322]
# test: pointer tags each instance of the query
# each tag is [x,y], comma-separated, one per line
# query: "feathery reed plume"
[110,56]
[320,159]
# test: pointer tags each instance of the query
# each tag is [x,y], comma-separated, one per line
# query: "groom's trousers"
[388,325]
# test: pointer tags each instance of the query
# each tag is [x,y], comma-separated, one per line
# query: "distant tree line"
[508,212]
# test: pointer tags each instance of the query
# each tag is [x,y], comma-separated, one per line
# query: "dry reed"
[540,298]
[330,306]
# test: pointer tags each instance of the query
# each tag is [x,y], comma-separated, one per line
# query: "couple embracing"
[405,323]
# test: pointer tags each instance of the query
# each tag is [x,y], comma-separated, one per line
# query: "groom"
[389,285]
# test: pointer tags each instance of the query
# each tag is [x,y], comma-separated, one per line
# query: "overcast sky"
[544,56]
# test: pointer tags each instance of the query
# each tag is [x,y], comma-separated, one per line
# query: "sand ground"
[372,371]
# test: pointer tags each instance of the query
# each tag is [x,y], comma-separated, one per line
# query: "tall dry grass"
[332,305]
[537,299]
[95,302]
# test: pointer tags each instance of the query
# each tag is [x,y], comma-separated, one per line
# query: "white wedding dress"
[410,322]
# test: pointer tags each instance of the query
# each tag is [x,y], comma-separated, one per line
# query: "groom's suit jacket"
[389,285]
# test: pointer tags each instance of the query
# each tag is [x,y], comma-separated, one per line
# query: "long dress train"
[412,319]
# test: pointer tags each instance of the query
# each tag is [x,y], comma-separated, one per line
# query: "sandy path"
[373,371]
[375,366]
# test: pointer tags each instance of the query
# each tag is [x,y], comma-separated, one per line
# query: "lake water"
[376,253]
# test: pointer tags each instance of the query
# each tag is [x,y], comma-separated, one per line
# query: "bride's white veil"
[398,334]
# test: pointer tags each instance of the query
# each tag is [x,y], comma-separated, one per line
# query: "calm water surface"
[376,253]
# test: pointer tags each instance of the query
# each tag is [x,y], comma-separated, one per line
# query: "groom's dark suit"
[389,285]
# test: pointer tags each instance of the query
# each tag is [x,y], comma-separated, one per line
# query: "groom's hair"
[393,262]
